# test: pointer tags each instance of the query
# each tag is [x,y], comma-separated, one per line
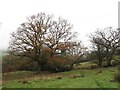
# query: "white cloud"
[85,15]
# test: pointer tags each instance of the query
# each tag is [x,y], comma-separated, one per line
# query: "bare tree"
[108,40]
[39,35]
[98,49]
[76,52]
[59,36]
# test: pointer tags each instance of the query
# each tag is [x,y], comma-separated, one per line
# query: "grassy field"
[82,78]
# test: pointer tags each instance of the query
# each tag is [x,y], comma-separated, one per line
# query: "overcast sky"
[85,15]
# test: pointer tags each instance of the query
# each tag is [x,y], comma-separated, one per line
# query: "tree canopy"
[106,42]
[41,38]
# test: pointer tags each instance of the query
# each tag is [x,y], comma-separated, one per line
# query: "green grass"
[84,65]
[86,79]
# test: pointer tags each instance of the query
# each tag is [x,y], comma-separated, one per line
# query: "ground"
[81,78]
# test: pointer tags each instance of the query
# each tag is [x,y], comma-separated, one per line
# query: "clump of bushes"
[12,63]
[117,75]
[56,66]
[115,62]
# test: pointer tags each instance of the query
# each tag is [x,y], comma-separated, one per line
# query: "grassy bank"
[82,78]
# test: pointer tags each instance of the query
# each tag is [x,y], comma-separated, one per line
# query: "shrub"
[117,75]
[56,63]
[114,63]
[56,66]
[12,63]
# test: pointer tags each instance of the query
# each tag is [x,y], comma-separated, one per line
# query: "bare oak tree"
[41,36]
[98,49]
[107,41]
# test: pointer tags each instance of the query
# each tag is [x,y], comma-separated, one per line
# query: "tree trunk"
[100,63]
[109,58]
[41,66]
[109,62]
[99,59]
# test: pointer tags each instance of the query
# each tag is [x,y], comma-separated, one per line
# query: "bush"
[9,64]
[57,63]
[56,66]
[117,77]
[12,63]
[115,62]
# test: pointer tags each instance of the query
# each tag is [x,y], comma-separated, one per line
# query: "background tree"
[42,38]
[98,49]
[76,53]
[107,41]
